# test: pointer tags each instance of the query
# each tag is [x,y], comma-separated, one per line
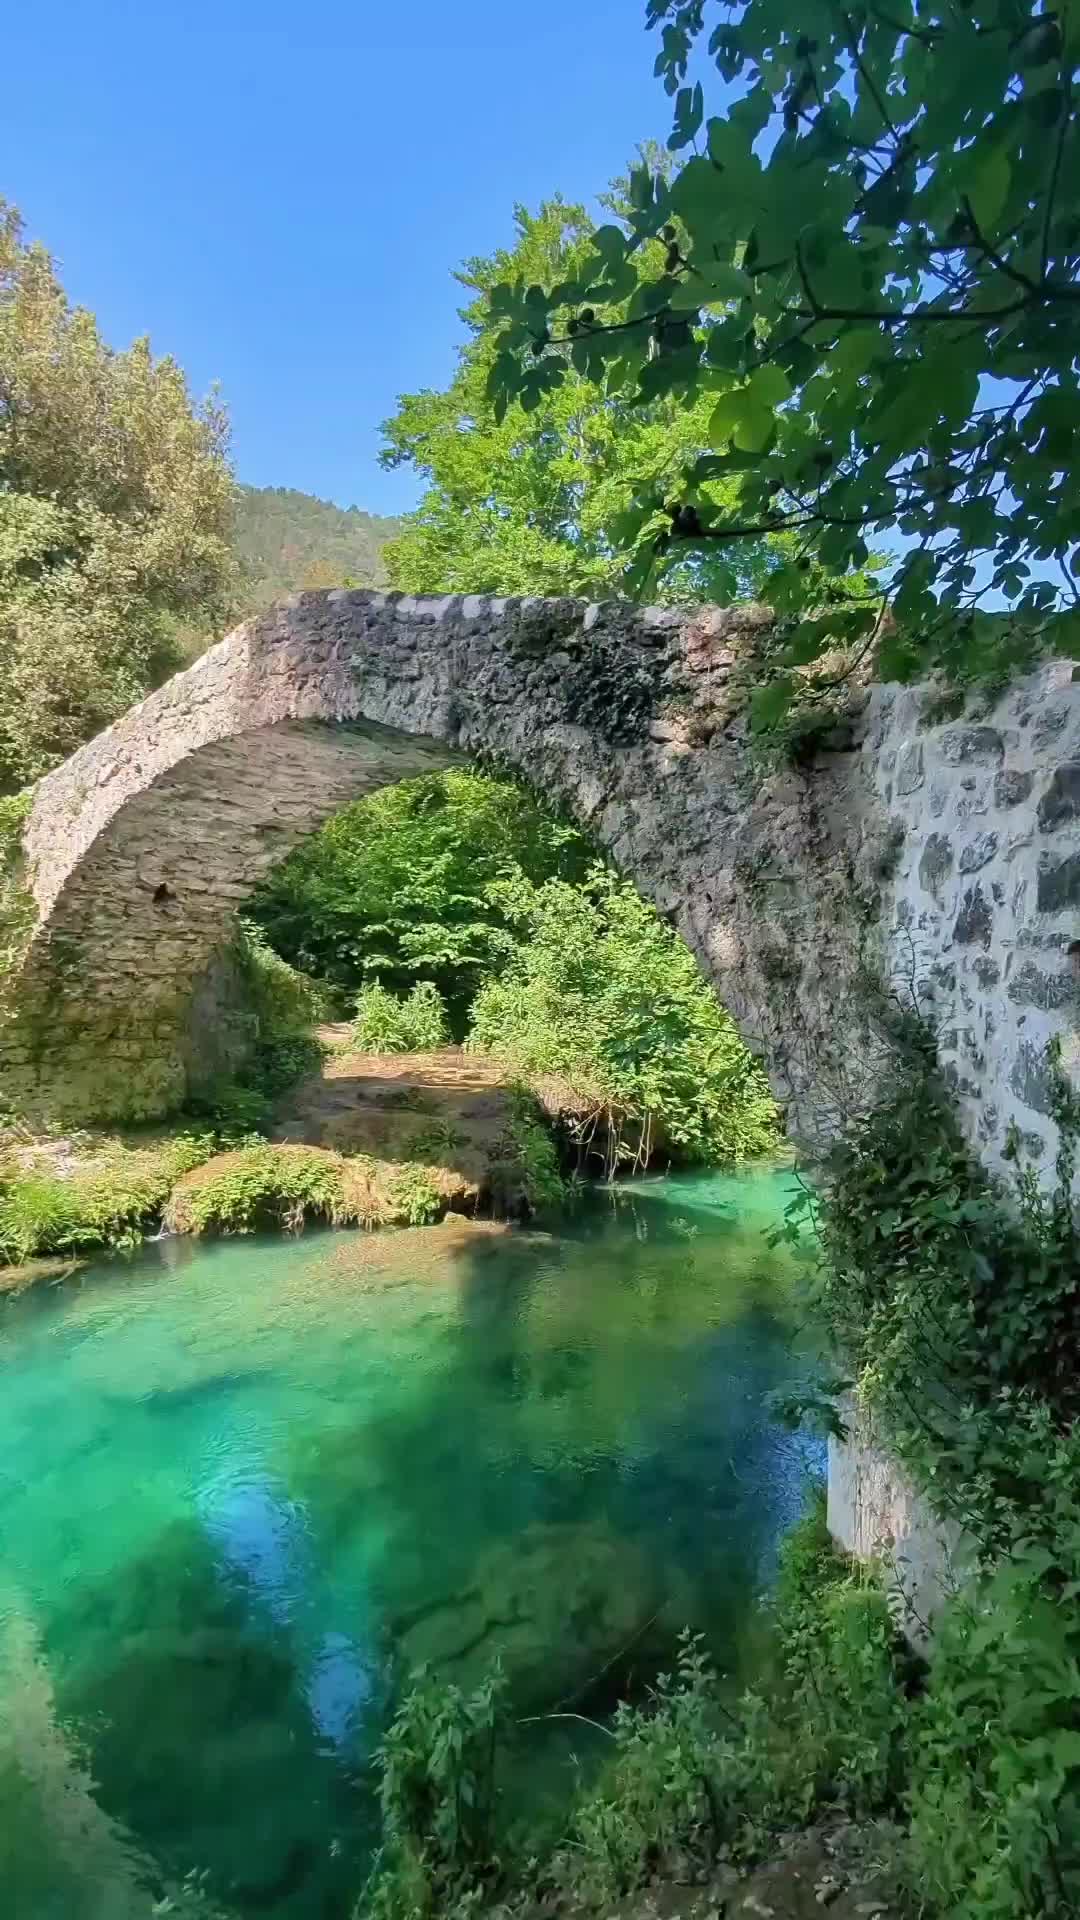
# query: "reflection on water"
[244,1487]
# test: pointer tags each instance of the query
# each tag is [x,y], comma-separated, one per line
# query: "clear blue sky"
[278,193]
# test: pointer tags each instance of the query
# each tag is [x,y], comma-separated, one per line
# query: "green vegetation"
[261,1185]
[438,1792]
[287,541]
[111,1200]
[533,502]
[416,1024]
[956,1305]
[462,888]
[282,1007]
[115,508]
[399,887]
[526,1177]
[602,995]
[877,304]
[415,1197]
[694,1777]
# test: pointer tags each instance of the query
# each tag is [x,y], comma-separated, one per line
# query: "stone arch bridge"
[946,853]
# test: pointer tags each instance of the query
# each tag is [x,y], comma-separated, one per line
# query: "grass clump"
[415,1197]
[384,1023]
[262,1185]
[112,1201]
[433,1143]
[269,1184]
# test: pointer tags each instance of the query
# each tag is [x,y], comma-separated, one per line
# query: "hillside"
[287,540]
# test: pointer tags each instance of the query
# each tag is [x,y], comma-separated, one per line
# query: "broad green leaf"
[770,703]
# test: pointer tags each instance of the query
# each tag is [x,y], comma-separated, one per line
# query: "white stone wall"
[985,910]
[874,1512]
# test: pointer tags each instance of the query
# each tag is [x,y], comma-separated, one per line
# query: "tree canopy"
[867,272]
[532,499]
[115,517]
[404,885]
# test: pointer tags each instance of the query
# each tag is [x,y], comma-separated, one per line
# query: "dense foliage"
[399,887]
[286,541]
[532,501]
[957,1306]
[602,994]
[115,517]
[869,272]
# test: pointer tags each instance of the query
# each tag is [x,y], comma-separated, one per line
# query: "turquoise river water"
[245,1486]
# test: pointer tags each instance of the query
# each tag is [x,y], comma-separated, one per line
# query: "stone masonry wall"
[143,846]
[944,852]
[984,917]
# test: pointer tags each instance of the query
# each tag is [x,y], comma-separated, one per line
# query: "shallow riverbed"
[245,1485]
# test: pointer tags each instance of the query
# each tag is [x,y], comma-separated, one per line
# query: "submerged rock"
[559,1605]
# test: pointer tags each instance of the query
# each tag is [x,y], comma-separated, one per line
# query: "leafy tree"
[601,993]
[532,498]
[115,509]
[397,887]
[868,273]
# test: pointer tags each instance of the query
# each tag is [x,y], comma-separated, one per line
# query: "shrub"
[957,1304]
[602,994]
[691,1778]
[438,1795]
[385,1024]
[397,887]
[995,1808]
[415,1198]
[260,1186]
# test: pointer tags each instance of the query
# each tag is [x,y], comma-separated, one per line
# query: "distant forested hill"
[287,540]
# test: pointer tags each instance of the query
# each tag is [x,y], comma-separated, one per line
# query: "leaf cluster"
[601,994]
[866,266]
[400,886]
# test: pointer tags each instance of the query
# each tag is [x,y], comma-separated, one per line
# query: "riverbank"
[363,1139]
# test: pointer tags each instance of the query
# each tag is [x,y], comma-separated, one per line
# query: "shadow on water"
[248,1486]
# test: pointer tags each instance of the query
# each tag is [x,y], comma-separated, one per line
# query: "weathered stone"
[936,862]
[983,745]
[1031,1078]
[975,921]
[143,848]
[1031,987]
[1011,787]
[909,772]
[1059,883]
[978,852]
[1061,801]
[146,844]
[987,972]
[1049,724]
